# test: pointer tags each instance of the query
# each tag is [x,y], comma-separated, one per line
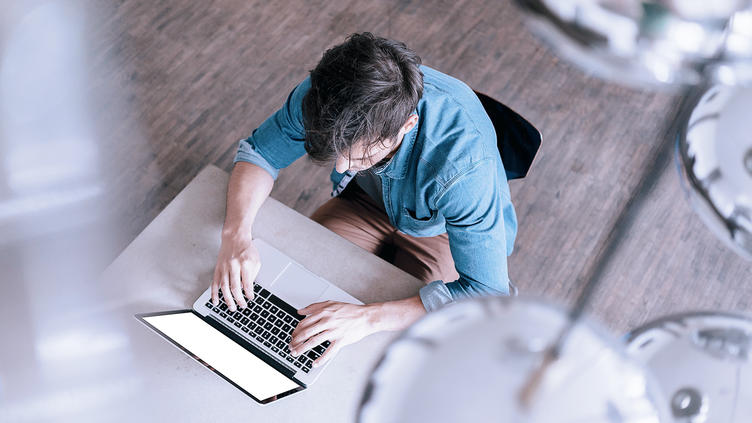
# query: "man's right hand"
[237,266]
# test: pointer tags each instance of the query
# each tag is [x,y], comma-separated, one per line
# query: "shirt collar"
[398,165]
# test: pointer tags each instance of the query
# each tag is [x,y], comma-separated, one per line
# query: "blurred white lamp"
[715,152]
[650,43]
[702,364]
[469,362]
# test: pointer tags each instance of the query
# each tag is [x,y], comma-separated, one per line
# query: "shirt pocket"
[411,224]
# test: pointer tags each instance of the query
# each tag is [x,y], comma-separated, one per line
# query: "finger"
[328,354]
[215,287]
[311,342]
[255,267]
[235,285]
[308,327]
[313,308]
[246,276]
[226,291]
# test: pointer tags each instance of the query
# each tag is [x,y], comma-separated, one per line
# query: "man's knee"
[330,214]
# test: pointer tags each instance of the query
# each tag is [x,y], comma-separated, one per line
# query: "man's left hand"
[339,323]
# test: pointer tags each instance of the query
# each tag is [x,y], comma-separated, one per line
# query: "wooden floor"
[180,82]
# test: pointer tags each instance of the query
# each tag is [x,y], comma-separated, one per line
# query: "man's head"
[361,102]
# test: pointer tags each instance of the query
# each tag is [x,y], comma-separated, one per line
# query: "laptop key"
[290,359]
[230,319]
[256,287]
[288,318]
[275,330]
[252,325]
[216,309]
[264,314]
[312,355]
[266,335]
[209,304]
[259,330]
[297,364]
[257,308]
[222,314]
[223,306]
[275,349]
[267,326]
[238,315]
[287,328]
[267,344]
[281,345]
[246,311]
[319,349]
[254,316]
[278,323]
[306,369]
[264,293]
[237,324]
[287,308]
[274,309]
[245,329]
[272,319]
[245,321]
[266,305]
[281,314]
[326,343]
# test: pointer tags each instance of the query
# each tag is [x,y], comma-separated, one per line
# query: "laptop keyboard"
[270,321]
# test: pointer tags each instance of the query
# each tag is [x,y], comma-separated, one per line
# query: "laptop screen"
[222,355]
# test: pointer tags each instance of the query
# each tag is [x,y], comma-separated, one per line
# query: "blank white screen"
[220,352]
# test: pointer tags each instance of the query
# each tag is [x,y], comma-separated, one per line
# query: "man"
[417,154]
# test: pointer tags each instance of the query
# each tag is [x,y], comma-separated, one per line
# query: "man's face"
[362,158]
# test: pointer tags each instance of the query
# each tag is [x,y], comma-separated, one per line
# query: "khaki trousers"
[357,218]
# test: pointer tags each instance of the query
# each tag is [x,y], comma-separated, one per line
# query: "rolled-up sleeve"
[280,140]
[478,213]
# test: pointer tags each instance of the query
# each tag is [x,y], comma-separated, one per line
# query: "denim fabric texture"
[447,176]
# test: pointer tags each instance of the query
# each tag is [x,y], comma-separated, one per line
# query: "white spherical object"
[715,149]
[702,364]
[470,361]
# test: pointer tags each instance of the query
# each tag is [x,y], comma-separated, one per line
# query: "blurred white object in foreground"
[702,363]
[50,178]
[59,363]
[653,43]
[469,361]
[715,149]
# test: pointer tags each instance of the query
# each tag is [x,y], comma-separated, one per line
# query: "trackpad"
[298,286]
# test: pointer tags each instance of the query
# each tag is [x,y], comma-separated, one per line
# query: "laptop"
[249,348]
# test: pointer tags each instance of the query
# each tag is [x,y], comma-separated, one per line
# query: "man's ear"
[410,123]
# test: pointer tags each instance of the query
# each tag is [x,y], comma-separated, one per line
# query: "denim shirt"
[446,176]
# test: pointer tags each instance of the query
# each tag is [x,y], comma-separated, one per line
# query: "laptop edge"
[235,338]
